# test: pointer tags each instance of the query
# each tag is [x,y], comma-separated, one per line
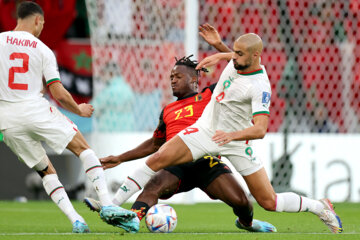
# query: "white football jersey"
[236,99]
[24,60]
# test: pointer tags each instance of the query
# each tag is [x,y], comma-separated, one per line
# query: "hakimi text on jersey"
[21,42]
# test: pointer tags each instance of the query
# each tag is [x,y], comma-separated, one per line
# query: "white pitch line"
[186,233]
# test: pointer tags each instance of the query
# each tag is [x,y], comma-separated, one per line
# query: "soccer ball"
[161,218]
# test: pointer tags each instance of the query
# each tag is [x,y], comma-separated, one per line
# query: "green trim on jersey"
[261,113]
[251,73]
[1,137]
[53,80]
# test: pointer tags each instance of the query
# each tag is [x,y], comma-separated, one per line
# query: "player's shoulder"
[259,77]
[169,106]
[172,104]
[259,82]
[229,68]
[43,46]
[24,39]
[209,89]
[5,35]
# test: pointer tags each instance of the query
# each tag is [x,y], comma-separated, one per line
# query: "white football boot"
[329,217]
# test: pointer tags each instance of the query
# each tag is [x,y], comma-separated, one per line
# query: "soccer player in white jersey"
[242,95]
[27,118]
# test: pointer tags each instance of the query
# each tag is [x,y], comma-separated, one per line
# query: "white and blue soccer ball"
[161,218]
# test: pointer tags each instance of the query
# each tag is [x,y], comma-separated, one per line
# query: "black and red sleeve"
[160,131]
[211,87]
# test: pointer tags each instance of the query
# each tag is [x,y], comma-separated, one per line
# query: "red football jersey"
[182,113]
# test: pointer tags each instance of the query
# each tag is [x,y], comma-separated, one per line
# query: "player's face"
[242,58]
[180,81]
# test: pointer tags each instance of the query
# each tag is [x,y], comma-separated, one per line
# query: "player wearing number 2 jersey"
[27,118]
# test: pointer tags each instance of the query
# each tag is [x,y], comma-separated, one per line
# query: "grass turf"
[43,220]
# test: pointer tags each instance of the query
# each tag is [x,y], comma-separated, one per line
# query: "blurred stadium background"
[117,54]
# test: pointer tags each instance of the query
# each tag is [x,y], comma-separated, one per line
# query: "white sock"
[133,183]
[96,175]
[292,202]
[311,205]
[56,191]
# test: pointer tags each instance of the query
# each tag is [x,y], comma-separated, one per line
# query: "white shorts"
[242,156]
[55,129]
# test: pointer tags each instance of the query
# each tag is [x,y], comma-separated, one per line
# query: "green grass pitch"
[43,220]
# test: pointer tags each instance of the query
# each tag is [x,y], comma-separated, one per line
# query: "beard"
[240,67]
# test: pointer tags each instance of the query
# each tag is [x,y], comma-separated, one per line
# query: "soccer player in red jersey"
[209,173]
[237,113]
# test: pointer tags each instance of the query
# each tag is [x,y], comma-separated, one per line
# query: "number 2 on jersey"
[23,69]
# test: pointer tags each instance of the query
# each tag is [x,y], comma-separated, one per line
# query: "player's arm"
[214,59]
[257,131]
[144,149]
[65,99]
[260,102]
[57,90]
[212,37]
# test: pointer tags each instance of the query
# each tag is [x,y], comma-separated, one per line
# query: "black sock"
[140,208]
[245,215]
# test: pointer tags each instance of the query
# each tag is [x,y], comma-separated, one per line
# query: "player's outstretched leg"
[329,217]
[291,202]
[116,216]
[56,191]
[260,187]
[226,188]
[120,217]
[257,226]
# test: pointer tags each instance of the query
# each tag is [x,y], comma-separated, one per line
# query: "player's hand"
[86,110]
[208,61]
[222,137]
[110,162]
[209,34]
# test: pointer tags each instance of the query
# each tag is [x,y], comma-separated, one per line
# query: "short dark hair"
[186,61]
[26,9]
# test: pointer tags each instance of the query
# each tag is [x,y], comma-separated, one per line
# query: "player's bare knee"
[268,204]
[44,167]
[78,144]
[157,161]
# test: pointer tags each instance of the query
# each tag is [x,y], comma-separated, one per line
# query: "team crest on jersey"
[198,97]
[266,97]
[249,152]
[228,82]
[226,85]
